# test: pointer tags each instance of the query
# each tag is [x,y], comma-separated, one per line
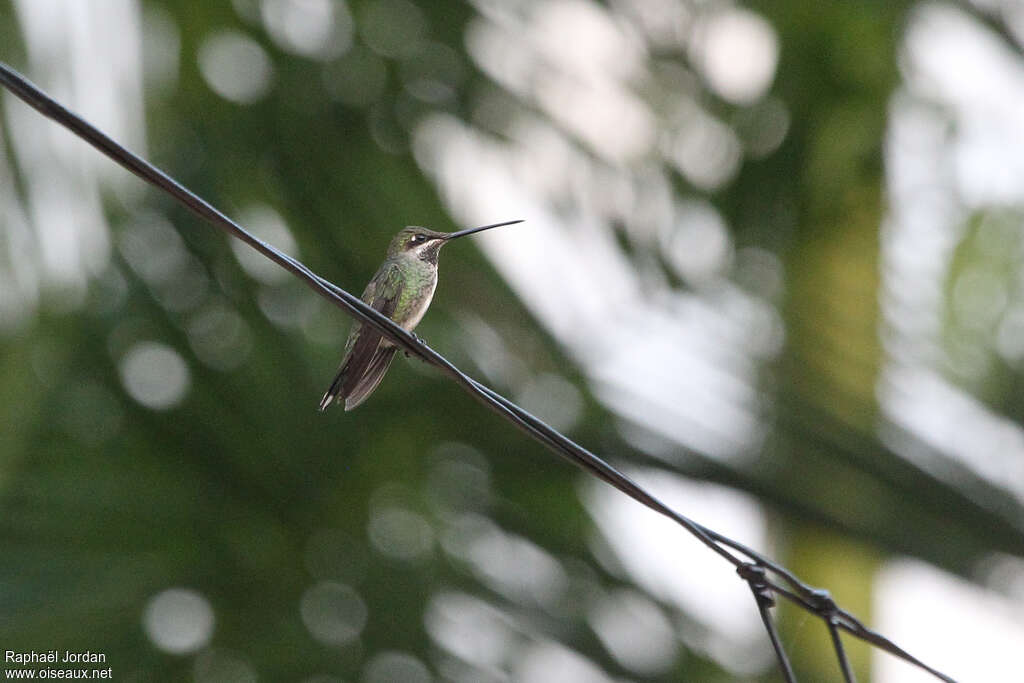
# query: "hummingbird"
[402,289]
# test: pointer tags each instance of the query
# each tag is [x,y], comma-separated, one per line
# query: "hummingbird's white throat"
[421,249]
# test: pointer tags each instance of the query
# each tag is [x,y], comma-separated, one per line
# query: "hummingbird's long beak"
[470,231]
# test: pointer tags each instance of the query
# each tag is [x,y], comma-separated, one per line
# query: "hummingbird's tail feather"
[332,392]
[359,355]
[353,389]
[371,378]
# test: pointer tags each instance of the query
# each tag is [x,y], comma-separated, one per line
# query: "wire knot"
[755,576]
[822,603]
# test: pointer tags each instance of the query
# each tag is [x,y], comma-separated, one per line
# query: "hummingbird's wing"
[371,378]
[367,354]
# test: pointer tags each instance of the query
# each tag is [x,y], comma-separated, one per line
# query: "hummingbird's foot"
[417,339]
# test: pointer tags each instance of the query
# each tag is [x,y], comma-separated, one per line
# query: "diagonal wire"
[837,643]
[755,571]
[757,580]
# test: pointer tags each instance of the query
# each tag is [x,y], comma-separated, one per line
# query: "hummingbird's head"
[421,243]
[424,243]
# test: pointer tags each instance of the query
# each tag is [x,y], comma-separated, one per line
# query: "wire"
[765,578]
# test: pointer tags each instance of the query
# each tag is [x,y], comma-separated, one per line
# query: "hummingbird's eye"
[416,239]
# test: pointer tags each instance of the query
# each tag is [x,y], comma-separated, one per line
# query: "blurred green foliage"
[319,542]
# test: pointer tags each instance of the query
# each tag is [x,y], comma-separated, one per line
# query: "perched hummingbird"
[402,290]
